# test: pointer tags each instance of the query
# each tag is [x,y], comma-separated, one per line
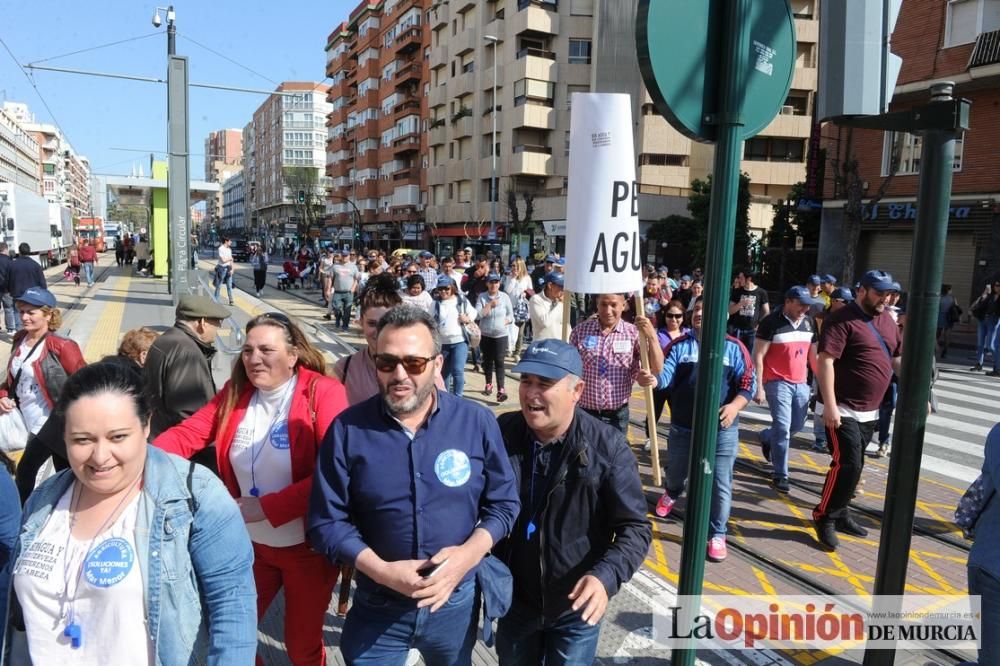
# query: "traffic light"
[302,196]
[857,71]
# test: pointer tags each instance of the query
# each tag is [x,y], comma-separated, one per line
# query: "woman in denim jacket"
[984,570]
[131,556]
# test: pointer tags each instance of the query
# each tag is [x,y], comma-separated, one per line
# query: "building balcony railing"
[409,40]
[406,143]
[406,176]
[538,53]
[409,73]
[406,107]
[986,51]
[529,148]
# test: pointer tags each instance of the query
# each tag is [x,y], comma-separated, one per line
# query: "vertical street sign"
[719,71]
[178,179]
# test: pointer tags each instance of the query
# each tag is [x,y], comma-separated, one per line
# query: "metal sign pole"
[178,177]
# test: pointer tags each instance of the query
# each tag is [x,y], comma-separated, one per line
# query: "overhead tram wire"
[37,91]
[227,58]
[94,48]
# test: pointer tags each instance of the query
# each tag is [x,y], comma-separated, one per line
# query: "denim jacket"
[195,557]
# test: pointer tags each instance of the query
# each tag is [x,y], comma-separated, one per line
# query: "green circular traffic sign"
[680,43]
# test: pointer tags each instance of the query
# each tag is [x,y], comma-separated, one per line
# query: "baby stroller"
[289,276]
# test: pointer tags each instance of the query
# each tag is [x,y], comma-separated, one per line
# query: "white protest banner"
[603,253]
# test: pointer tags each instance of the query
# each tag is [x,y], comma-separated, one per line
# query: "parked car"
[241,249]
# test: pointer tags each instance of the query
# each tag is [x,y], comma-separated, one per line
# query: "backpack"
[473,336]
[971,506]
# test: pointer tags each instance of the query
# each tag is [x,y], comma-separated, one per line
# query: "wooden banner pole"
[654,445]
[567,295]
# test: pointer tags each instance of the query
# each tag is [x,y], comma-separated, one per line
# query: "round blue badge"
[279,435]
[452,468]
[590,342]
[108,563]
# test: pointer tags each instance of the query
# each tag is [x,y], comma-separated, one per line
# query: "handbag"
[13,432]
[521,313]
[971,506]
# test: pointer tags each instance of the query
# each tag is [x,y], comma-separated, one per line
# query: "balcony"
[408,74]
[408,143]
[437,136]
[534,17]
[531,160]
[986,51]
[807,30]
[463,84]
[774,173]
[534,116]
[370,69]
[486,82]
[496,28]
[438,57]
[410,40]
[463,128]
[367,160]
[367,130]
[486,166]
[336,144]
[408,106]
[461,170]
[437,175]
[438,96]
[531,66]
[786,124]
[804,78]
[464,42]
[440,15]
[410,176]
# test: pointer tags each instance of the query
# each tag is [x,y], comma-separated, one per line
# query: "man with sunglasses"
[582,532]
[178,369]
[413,487]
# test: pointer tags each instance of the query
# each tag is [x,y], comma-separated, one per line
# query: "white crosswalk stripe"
[968,407]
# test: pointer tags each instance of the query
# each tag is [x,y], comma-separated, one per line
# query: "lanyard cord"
[254,451]
[74,505]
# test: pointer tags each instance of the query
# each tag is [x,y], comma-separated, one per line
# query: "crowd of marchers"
[177,511]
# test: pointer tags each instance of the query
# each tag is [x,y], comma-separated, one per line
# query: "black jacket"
[178,375]
[594,520]
[5,262]
[24,273]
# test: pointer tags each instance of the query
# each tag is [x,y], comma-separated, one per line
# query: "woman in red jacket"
[267,423]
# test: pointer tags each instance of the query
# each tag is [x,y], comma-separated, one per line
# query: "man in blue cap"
[784,351]
[582,531]
[427,270]
[345,284]
[827,285]
[546,308]
[813,286]
[859,350]
[542,270]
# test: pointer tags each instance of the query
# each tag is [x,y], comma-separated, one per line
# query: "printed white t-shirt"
[107,593]
[34,408]
[261,457]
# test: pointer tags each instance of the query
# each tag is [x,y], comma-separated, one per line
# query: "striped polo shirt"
[787,358]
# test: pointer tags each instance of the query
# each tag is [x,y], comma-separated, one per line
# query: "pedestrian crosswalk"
[968,407]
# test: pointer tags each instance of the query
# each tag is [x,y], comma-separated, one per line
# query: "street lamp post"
[357,220]
[494,195]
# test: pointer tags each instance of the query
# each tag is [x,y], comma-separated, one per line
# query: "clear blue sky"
[281,40]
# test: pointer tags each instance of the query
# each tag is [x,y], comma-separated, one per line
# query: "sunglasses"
[413,365]
[281,319]
[671,315]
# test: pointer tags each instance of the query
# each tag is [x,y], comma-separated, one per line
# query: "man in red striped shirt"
[783,352]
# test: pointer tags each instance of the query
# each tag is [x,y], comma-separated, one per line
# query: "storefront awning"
[467,231]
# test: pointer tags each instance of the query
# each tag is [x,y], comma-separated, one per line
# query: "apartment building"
[19,155]
[283,154]
[65,174]
[938,41]
[233,219]
[223,158]
[376,150]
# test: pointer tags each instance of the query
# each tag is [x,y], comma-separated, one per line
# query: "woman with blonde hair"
[267,423]
[39,365]
[518,288]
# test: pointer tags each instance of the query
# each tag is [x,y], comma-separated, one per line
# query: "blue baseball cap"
[801,294]
[493,277]
[550,258]
[896,286]
[879,281]
[426,254]
[815,280]
[561,261]
[842,294]
[445,281]
[550,358]
[685,278]
[345,253]
[38,296]
[555,278]
[828,278]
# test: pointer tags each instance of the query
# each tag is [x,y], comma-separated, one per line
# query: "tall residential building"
[233,205]
[65,174]
[938,41]
[283,154]
[223,158]
[376,150]
[19,155]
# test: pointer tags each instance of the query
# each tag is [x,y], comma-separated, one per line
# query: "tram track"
[804,582]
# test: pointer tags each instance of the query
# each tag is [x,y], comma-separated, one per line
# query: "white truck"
[112,234]
[61,228]
[25,217]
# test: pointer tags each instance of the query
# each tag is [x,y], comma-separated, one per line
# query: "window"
[962,21]
[660,159]
[905,149]
[581,7]
[579,51]
[533,90]
[774,150]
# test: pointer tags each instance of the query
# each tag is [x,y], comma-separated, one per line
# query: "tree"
[518,223]
[305,180]
[849,184]
[783,265]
